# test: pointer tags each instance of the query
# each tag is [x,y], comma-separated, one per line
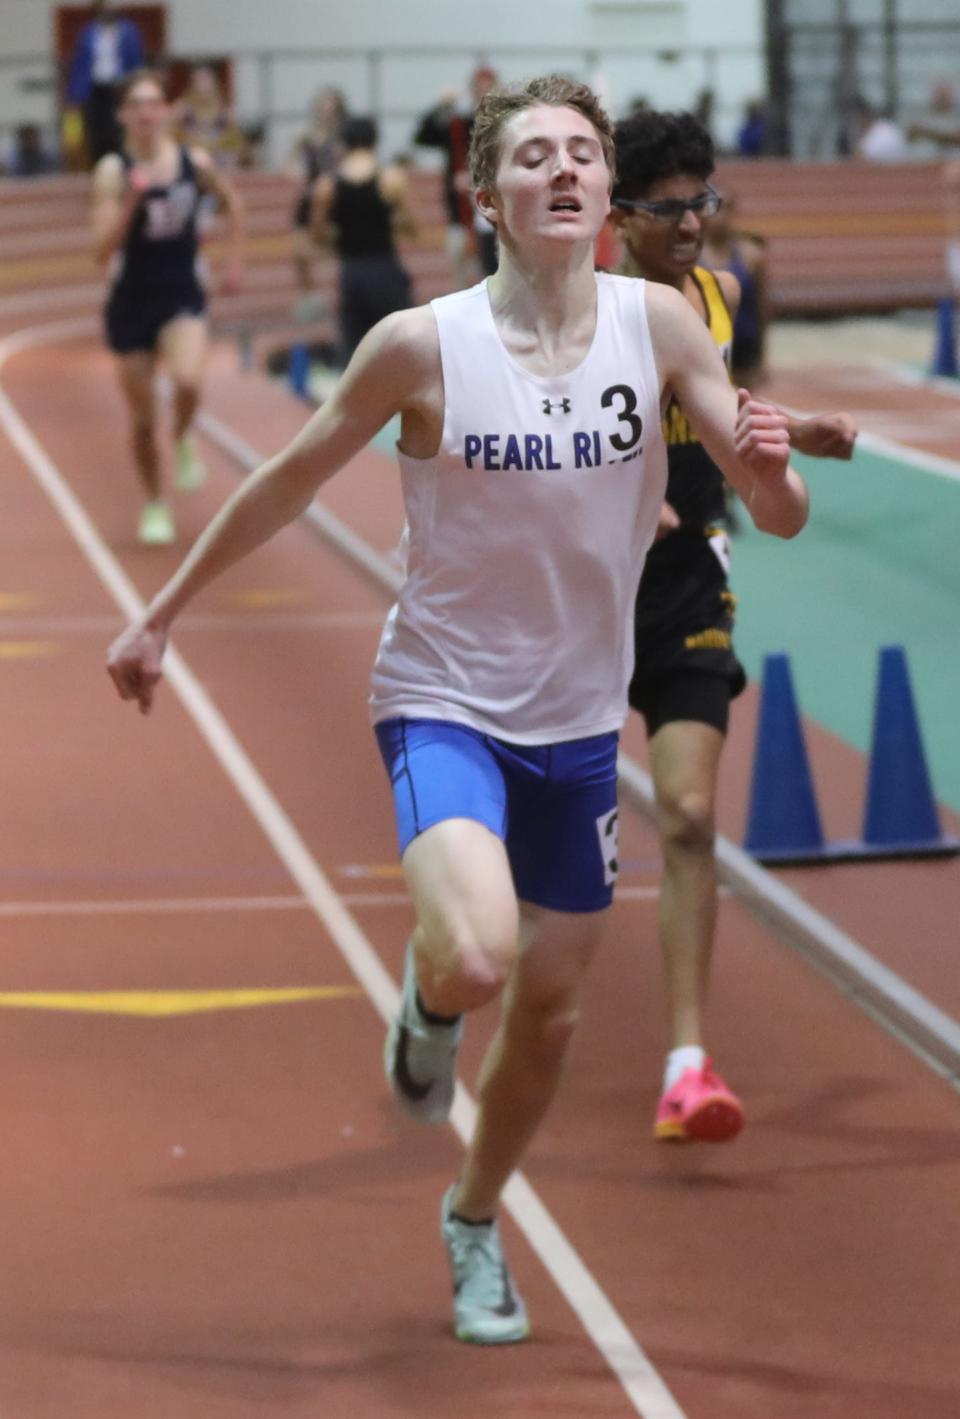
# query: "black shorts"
[371,287]
[686,694]
[685,663]
[134,318]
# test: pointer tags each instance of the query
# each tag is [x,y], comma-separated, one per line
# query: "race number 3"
[609,845]
[627,415]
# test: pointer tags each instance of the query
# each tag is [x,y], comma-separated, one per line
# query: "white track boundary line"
[888,999]
[642,1384]
[916,458]
[885,996]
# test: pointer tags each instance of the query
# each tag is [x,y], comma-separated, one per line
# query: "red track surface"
[220,1215]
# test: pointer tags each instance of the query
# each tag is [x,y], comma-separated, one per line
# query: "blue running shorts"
[554,806]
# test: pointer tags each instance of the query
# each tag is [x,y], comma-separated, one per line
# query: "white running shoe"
[156,527]
[420,1059]
[487,1308]
[191,471]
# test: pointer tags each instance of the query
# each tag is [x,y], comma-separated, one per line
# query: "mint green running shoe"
[419,1058]
[156,528]
[191,470]
[487,1308]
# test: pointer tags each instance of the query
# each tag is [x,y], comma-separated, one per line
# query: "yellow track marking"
[27,650]
[261,596]
[166,1002]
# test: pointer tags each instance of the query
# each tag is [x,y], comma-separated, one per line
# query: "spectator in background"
[951,192]
[727,247]
[357,210]
[108,49]
[202,118]
[752,133]
[881,139]
[941,126]
[29,157]
[471,240]
[940,130]
[703,109]
[316,151]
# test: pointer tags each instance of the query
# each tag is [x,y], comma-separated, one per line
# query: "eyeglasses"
[674,209]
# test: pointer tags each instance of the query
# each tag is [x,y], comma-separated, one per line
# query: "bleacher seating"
[845,237]
[842,238]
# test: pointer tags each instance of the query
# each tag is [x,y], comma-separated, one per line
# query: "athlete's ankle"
[432,1017]
[681,1059]
[471,1216]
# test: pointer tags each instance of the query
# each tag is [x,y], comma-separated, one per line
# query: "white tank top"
[527,532]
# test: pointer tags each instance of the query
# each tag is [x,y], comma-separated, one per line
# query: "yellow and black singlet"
[695,486]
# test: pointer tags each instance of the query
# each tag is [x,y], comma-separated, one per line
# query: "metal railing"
[396,84]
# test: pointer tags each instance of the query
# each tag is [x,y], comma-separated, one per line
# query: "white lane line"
[153,906]
[888,999]
[884,995]
[917,379]
[641,1383]
[381,567]
[917,458]
[626,893]
[212,621]
[86,296]
[913,457]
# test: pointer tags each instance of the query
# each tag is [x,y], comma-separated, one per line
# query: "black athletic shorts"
[685,663]
[134,318]
[370,288]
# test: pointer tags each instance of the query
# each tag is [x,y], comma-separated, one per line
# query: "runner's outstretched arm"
[823,435]
[383,378]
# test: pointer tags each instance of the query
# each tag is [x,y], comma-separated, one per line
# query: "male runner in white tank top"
[533,471]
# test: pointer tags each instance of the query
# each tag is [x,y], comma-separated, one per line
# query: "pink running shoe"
[699,1107]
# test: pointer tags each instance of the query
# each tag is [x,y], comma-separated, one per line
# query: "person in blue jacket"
[109,48]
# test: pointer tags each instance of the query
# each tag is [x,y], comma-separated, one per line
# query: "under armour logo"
[562,404]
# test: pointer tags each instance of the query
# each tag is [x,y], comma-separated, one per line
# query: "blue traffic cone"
[900,815]
[299,371]
[945,348]
[783,822]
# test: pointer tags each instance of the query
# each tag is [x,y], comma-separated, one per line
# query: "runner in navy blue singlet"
[146,204]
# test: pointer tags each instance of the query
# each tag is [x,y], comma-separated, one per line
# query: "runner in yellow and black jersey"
[684,615]
[686,669]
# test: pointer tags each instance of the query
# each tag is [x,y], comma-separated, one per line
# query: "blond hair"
[498,106]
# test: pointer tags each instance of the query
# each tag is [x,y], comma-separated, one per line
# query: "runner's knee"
[186,388]
[468,963]
[687,821]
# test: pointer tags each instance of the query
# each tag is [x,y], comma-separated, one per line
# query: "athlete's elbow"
[292,486]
